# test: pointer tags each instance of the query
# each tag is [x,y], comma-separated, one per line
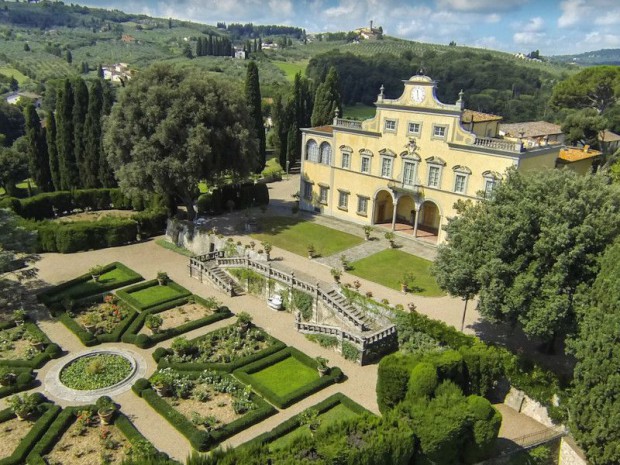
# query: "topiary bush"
[422,382]
[485,424]
[393,378]
[483,368]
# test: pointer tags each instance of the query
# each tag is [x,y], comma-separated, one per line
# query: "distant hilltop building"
[117,72]
[370,33]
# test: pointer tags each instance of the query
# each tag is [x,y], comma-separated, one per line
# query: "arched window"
[312,151]
[326,154]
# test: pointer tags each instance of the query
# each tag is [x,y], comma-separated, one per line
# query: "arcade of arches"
[402,216]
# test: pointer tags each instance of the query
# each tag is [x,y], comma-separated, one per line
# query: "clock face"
[417,94]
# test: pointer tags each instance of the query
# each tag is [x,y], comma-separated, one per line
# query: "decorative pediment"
[461,169]
[387,153]
[493,175]
[435,161]
[346,148]
[366,153]
[411,156]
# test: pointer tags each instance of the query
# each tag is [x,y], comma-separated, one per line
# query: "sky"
[555,27]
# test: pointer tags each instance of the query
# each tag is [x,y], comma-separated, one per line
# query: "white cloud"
[483,6]
[600,40]
[492,18]
[572,12]
[528,38]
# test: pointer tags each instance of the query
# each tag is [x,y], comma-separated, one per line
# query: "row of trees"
[214,46]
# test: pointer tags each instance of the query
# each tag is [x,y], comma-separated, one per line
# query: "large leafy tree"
[596,87]
[327,99]
[38,159]
[253,98]
[15,241]
[13,166]
[594,404]
[528,249]
[11,123]
[173,127]
[583,127]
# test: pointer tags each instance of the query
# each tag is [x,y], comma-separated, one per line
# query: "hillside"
[599,57]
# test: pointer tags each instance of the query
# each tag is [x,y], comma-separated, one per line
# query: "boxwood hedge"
[20,453]
[143,341]
[245,375]
[25,380]
[51,351]
[125,294]
[202,440]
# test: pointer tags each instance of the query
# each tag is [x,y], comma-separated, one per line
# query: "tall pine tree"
[92,137]
[80,109]
[327,99]
[253,98]
[52,149]
[69,176]
[38,160]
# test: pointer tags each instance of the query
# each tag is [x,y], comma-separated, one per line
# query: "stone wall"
[570,453]
[520,402]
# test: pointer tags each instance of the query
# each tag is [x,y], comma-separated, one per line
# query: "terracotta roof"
[327,129]
[608,136]
[471,116]
[530,129]
[573,154]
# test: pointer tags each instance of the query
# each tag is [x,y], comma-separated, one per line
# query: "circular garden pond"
[96,371]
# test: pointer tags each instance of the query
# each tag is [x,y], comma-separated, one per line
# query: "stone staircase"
[200,267]
[348,311]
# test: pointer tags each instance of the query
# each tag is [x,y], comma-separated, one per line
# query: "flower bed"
[77,435]
[113,276]
[203,314]
[286,377]
[206,407]
[150,293]
[95,371]
[18,352]
[95,321]
[225,349]
[17,438]
[335,408]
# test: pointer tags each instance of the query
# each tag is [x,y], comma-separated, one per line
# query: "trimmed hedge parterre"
[178,292]
[282,401]
[51,351]
[25,379]
[144,341]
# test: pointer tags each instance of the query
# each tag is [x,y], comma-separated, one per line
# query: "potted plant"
[367,232]
[412,307]
[37,341]
[310,417]
[105,410]
[7,375]
[408,278]
[91,320]
[357,284]
[244,321]
[19,316]
[162,278]
[24,405]
[96,272]
[268,248]
[321,365]
[311,251]
[390,237]
[336,274]
[163,382]
[346,264]
[153,322]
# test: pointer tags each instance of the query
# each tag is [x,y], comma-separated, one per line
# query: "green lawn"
[106,281]
[286,376]
[295,235]
[388,266]
[337,413]
[12,72]
[155,294]
[175,248]
[290,69]
[359,111]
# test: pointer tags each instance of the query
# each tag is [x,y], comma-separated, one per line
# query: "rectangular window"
[323,195]
[308,191]
[386,167]
[362,205]
[346,160]
[390,125]
[489,185]
[365,165]
[439,131]
[409,174]
[414,129]
[433,176]
[343,200]
[459,183]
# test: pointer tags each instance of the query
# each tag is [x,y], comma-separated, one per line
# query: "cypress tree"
[291,144]
[80,108]
[64,138]
[52,150]
[106,176]
[278,117]
[38,160]
[327,99]
[92,137]
[210,45]
[100,71]
[253,99]
[69,57]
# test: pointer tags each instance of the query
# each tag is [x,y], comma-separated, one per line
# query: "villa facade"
[405,168]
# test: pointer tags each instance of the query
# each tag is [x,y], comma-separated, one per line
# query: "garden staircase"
[205,265]
[344,310]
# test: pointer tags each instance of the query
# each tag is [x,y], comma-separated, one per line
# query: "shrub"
[422,382]
[449,365]
[350,352]
[485,424]
[302,302]
[393,378]
[483,368]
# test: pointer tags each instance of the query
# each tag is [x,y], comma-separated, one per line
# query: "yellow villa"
[405,168]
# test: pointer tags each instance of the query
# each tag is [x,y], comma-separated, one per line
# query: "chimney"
[586,148]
